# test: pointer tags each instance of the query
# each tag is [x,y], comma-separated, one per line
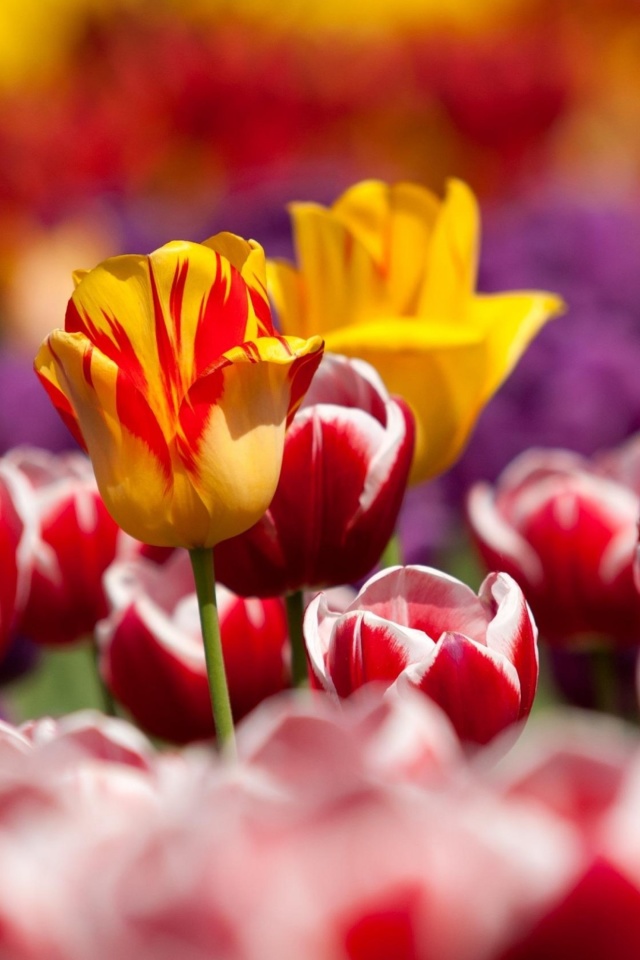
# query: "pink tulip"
[346,462]
[476,656]
[152,656]
[566,529]
[77,540]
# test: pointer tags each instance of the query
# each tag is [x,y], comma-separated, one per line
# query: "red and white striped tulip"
[566,529]
[152,655]
[346,463]
[17,542]
[476,656]
[76,541]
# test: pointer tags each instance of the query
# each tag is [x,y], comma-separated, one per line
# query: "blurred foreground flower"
[566,529]
[171,854]
[18,531]
[76,542]
[170,374]
[476,656]
[152,657]
[346,461]
[388,274]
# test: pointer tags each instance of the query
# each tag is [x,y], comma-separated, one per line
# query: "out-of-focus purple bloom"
[27,414]
[577,385]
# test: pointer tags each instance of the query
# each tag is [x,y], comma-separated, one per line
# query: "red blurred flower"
[76,542]
[587,775]
[346,462]
[152,656]
[476,656]
[17,536]
[565,529]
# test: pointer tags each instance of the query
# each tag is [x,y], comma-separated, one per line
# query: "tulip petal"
[130,456]
[512,632]
[424,599]
[394,222]
[45,368]
[342,282]
[438,370]
[247,256]
[365,648]
[509,322]
[232,425]
[476,687]
[452,263]
[503,547]
[286,289]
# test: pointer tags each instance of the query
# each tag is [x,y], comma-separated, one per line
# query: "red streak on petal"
[62,404]
[175,300]
[86,364]
[169,368]
[115,345]
[262,310]
[136,416]
[301,373]
[222,319]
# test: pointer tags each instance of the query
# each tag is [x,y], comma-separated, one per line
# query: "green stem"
[204,576]
[108,703]
[392,553]
[295,612]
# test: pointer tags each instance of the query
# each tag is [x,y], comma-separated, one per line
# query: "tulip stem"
[204,576]
[108,703]
[295,613]
[392,553]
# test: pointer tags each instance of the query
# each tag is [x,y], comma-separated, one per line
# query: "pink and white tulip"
[414,627]
[346,461]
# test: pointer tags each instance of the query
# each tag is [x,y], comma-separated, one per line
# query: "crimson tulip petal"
[512,632]
[477,688]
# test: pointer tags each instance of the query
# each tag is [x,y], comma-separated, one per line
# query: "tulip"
[76,542]
[414,627]
[566,529]
[152,657]
[170,374]
[17,541]
[354,444]
[388,274]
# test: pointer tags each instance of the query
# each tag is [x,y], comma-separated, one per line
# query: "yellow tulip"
[388,274]
[170,374]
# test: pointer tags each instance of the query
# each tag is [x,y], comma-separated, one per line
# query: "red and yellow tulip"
[171,376]
[388,274]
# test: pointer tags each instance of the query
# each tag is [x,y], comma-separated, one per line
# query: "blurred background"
[125,123]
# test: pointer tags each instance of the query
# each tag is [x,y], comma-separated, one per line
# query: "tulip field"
[319,480]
